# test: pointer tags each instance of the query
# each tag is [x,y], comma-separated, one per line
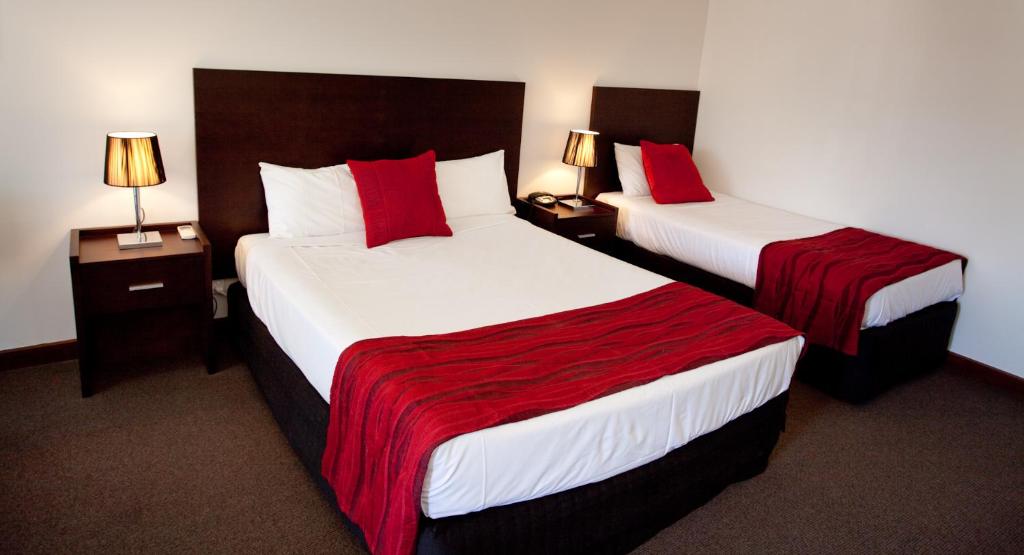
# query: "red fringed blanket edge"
[820,285]
[395,399]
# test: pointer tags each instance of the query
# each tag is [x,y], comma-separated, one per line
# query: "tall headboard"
[627,115]
[311,120]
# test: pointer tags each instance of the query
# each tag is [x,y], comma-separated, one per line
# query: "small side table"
[139,302]
[593,227]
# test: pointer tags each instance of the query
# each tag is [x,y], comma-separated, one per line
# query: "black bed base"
[627,251]
[611,516]
[886,356]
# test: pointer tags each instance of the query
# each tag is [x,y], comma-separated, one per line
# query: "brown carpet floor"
[173,460]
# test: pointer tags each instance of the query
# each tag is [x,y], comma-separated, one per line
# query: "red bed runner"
[820,285]
[395,399]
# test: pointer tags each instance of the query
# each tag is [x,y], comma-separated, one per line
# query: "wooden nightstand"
[593,227]
[150,302]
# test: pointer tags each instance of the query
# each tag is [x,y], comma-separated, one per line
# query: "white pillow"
[309,203]
[474,186]
[631,171]
[351,208]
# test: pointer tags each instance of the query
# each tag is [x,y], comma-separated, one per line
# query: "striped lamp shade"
[579,149]
[133,160]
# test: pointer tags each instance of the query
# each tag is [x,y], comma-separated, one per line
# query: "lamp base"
[139,240]
[575,203]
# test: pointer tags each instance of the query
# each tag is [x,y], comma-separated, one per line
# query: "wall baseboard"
[35,355]
[986,373]
[58,351]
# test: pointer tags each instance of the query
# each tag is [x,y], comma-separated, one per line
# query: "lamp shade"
[133,160]
[579,149]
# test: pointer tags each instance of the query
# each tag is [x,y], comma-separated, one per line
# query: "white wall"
[901,116]
[72,70]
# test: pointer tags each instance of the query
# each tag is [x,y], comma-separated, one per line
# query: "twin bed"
[716,245]
[602,476]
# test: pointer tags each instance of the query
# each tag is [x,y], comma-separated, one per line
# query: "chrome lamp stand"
[576,203]
[138,239]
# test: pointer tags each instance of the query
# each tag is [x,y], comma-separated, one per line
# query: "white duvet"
[319,295]
[725,237]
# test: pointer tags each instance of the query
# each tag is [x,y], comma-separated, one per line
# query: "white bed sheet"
[725,237]
[319,295]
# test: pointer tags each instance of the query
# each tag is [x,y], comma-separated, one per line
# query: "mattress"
[725,237]
[319,295]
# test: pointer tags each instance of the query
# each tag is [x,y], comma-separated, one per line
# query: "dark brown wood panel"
[36,355]
[142,284]
[313,120]
[627,115]
[96,246]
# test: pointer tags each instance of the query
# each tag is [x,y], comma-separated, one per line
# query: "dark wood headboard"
[626,115]
[311,120]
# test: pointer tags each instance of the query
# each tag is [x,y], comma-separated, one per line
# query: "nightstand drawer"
[584,229]
[141,284]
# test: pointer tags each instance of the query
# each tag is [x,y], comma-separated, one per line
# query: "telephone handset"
[541,198]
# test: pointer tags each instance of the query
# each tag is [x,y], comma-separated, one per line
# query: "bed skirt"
[887,355]
[614,515]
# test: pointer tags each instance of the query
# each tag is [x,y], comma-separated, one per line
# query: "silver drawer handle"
[586,235]
[145,286]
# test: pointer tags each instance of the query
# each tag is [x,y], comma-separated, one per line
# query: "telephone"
[541,198]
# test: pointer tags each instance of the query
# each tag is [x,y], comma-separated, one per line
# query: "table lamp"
[133,160]
[579,152]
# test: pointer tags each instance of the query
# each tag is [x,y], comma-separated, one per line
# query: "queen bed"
[317,297]
[716,245]
[602,476]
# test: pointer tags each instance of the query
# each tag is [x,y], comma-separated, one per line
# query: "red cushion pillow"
[399,199]
[672,175]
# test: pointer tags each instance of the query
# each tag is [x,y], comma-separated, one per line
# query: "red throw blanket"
[820,285]
[395,399]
